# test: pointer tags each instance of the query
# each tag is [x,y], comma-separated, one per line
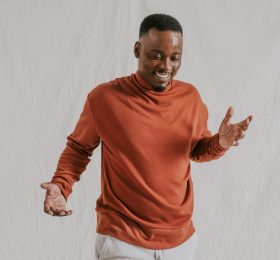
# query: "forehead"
[162,40]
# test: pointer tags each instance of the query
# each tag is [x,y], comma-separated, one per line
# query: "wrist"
[222,143]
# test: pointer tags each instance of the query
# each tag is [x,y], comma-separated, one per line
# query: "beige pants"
[108,247]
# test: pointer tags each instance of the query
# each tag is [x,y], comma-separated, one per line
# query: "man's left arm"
[211,147]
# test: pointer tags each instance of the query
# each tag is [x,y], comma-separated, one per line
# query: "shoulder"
[107,91]
[100,89]
[106,87]
[188,88]
[192,96]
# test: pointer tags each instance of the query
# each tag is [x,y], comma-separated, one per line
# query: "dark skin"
[159,58]
[159,52]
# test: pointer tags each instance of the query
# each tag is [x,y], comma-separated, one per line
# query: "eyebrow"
[154,50]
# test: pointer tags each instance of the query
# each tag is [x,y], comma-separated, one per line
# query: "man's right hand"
[55,202]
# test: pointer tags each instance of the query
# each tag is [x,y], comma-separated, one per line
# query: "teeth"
[162,75]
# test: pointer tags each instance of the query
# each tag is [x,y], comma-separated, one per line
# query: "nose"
[166,64]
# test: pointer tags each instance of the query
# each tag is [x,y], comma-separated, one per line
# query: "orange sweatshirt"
[147,140]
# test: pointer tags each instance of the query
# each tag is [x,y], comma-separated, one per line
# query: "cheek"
[177,66]
[150,64]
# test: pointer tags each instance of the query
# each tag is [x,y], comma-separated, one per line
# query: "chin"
[159,88]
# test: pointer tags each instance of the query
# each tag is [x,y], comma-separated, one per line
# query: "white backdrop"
[52,53]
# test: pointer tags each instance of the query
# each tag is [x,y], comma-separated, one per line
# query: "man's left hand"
[230,134]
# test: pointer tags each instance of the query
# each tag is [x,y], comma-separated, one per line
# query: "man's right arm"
[79,147]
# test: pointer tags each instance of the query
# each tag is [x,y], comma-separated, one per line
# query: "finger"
[236,132]
[58,211]
[55,210]
[62,213]
[228,115]
[248,120]
[50,212]
[242,134]
[65,212]
[69,212]
[245,123]
[235,143]
[47,209]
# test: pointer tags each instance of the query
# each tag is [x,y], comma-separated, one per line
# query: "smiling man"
[159,54]
[150,126]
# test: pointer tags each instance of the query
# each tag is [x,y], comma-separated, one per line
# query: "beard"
[158,88]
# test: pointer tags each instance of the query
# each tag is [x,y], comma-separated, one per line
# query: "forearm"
[71,164]
[207,149]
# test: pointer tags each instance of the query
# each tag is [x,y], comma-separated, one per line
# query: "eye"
[156,56]
[175,58]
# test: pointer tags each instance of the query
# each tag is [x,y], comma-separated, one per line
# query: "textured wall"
[52,53]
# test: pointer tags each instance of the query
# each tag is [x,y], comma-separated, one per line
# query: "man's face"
[159,54]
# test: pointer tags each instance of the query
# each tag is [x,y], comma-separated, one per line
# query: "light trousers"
[108,247]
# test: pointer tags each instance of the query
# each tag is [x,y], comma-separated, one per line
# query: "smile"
[162,76]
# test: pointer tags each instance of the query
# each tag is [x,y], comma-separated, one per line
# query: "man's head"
[159,49]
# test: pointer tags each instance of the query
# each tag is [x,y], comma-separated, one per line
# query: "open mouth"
[162,76]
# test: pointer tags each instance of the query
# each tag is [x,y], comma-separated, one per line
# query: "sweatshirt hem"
[150,238]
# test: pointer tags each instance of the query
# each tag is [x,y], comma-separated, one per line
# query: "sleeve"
[79,147]
[207,147]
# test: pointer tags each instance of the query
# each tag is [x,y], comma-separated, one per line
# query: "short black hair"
[161,22]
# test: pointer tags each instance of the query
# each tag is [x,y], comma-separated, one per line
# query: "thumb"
[228,115]
[46,185]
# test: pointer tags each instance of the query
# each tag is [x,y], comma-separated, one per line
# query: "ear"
[137,49]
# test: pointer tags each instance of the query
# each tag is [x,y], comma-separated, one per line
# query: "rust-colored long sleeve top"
[147,140]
